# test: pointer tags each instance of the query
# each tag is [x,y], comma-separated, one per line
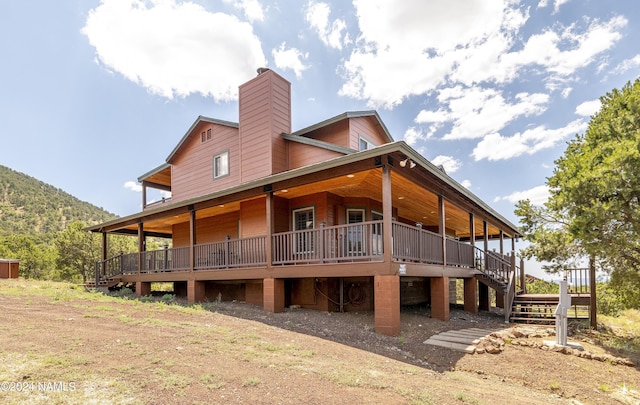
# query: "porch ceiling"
[412,202]
[165,225]
[162,177]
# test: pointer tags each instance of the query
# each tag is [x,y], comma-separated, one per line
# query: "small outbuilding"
[9,268]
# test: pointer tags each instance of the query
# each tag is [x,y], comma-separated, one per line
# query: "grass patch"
[621,332]
[554,386]
[251,382]
[464,398]
[212,381]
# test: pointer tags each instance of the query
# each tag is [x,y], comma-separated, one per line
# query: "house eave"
[153,171]
[319,144]
[400,147]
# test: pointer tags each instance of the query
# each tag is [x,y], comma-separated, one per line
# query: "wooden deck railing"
[416,245]
[341,243]
[168,259]
[245,252]
[578,280]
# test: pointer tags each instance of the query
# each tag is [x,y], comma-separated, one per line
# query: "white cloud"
[497,147]
[133,186]
[252,9]
[290,59]
[174,49]
[628,64]
[330,33]
[566,91]
[414,48]
[466,183]
[556,4]
[537,196]
[477,112]
[450,164]
[413,135]
[588,108]
[420,42]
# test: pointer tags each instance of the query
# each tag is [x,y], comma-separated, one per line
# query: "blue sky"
[95,93]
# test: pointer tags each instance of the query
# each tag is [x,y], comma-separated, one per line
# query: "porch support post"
[470,295]
[484,303]
[195,291]
[103,265]
[523,279]
[387,304]
[192,240]
[485,232]
[269,219]
[501,242]
[144,194]
[443,233]
[273,294]
[592,292]
[141,247]
[387,213]
[105,247]
[499,299]
[440,298]
[143,288]
[472,231]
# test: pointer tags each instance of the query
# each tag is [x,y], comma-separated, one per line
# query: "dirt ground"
[128,351]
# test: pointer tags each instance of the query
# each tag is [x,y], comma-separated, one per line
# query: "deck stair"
[108,282]
[492,282]
[534,308]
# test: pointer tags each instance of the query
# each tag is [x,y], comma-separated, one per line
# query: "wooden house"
[334,217]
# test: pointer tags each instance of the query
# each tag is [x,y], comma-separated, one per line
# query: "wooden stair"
[534,308]
[104,283]
[491,282]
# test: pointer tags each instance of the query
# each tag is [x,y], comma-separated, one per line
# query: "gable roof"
[343,116]
[193,126]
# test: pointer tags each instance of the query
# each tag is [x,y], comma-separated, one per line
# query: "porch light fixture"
[403,163]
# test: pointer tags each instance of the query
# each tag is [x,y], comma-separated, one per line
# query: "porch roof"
[390,153]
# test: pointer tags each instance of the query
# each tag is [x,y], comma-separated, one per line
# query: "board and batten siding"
[265,113]
[192,166]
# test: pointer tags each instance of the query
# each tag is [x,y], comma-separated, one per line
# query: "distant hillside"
[30,206]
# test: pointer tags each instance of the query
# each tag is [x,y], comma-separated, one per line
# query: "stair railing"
[111,267]
[510,293]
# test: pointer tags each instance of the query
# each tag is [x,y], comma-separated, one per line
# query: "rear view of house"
[333,217]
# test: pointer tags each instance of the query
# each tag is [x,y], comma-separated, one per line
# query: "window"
[221,164]
[208,134]
[355,233]
[203,137]
[303,219]
[364,144]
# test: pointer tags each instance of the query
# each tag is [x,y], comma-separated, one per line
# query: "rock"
[493,350]
[480,350]
[627,362]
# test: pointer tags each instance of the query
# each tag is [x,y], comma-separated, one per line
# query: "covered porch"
[366,215]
